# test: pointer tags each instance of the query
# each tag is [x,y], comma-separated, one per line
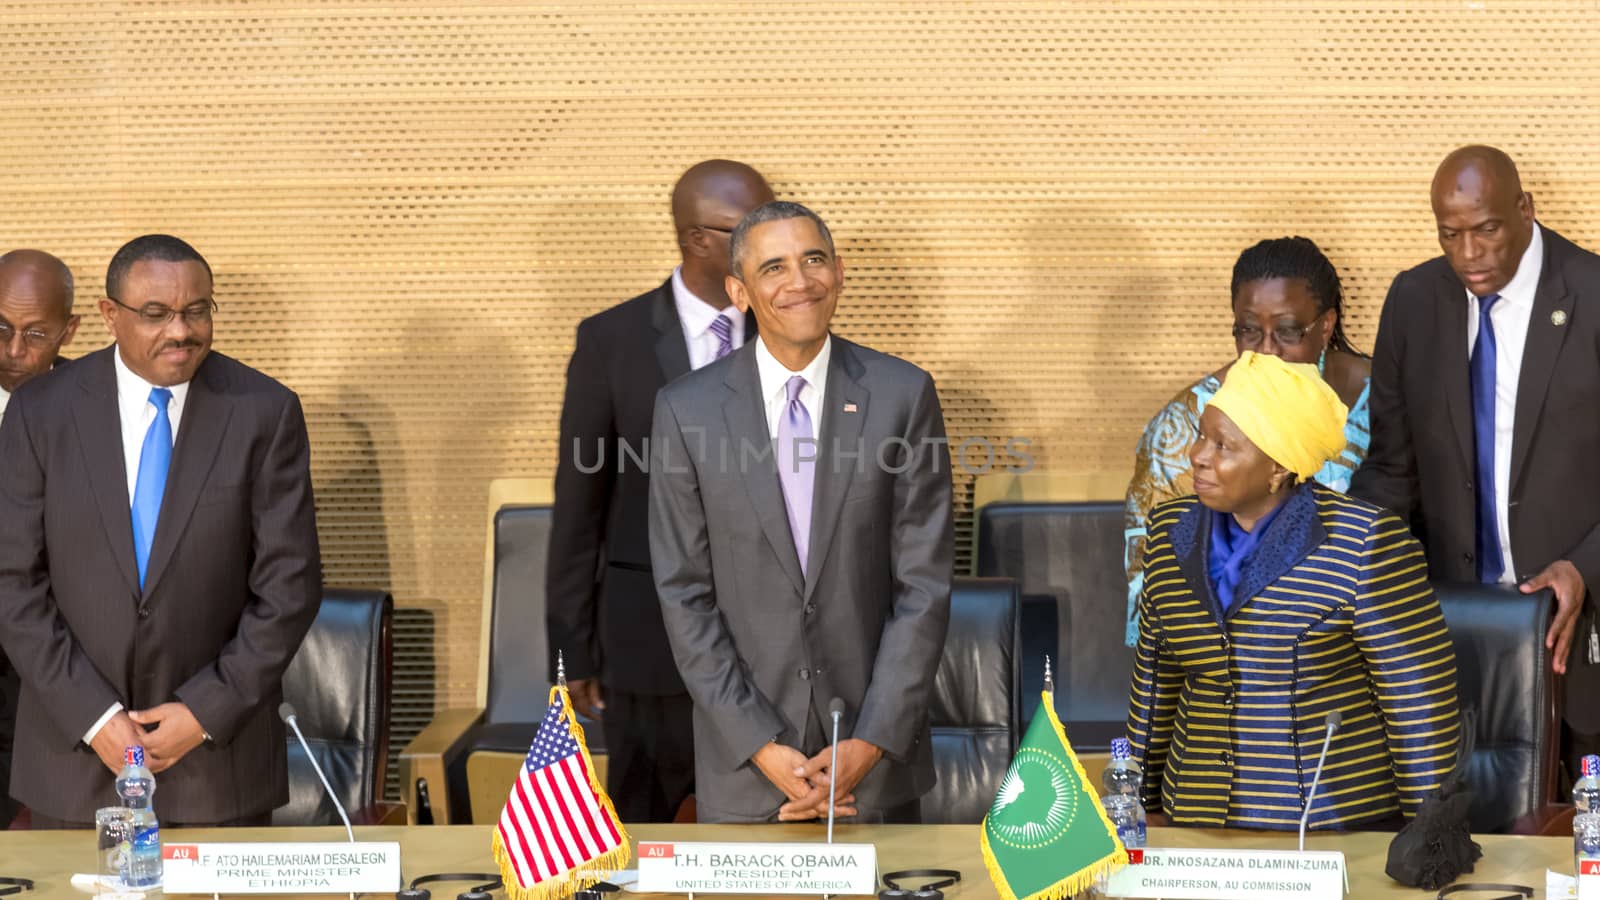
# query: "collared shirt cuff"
[88,736]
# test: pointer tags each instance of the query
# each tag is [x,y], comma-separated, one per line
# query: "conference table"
[50,858]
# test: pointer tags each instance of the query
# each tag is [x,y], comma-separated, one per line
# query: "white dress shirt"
[775,377]
[1510,315]
[5,400]
[696,316]
[137,413]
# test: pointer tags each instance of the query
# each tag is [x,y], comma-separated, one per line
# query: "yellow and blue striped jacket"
[1335,612]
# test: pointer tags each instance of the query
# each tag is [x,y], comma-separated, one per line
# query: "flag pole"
[561,669]
[1049,678]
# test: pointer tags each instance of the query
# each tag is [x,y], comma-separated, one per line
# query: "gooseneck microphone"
[286,713]
[836,712]
[1330,724]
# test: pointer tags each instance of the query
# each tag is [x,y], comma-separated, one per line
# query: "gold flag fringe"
[589,873]
[1084,878]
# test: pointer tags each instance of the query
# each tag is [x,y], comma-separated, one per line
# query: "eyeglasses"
[32,338]
[1284,335]
[156,316]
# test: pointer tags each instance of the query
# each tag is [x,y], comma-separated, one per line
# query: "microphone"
[286,713]
[835,711]
[1331,724]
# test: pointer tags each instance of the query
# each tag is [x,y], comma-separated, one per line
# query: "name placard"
[1175,874]
[700,868]
[1589,879]
[273,868]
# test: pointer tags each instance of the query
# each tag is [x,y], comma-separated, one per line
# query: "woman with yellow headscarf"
[1270,601]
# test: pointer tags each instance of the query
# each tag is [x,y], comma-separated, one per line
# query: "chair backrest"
[1067,558]
[339,684]
[1503,672]
[974,711]
[518,681]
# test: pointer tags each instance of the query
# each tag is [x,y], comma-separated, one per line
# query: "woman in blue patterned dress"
[1288,303]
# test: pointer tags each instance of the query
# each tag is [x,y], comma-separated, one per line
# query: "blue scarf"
[1229,550]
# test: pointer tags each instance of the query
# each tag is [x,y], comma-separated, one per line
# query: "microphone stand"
[1330,724]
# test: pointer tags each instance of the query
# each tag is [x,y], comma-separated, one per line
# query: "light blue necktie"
[154,460]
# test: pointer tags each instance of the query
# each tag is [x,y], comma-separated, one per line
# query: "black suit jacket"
[234,581]
[602,608]
[1422,460]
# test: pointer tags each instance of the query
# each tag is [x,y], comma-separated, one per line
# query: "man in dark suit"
[800,532]
[35,321]
[602,609]
[1485,387]
[158,559]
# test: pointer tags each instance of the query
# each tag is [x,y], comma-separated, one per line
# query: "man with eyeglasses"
[35,317]
[158,559]
[1485,388]
[602,609]
[35,321]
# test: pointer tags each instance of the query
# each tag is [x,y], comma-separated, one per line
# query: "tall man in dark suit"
[602,609]
[158,559]
[800,530]
[35,321]
[1485,392]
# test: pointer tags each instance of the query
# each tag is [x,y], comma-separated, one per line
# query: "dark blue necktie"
[1490,563]
[154,460]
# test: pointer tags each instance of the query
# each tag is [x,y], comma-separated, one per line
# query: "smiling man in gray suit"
[801,540]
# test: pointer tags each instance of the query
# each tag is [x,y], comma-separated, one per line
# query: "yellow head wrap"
[1285,409]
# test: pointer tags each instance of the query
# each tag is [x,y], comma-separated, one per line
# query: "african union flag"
[1046,836]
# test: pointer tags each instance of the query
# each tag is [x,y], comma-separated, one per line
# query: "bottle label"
[147,838]
[1131,835]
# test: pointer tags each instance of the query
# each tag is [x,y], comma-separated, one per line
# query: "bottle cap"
[133,756]
[1121,748]
[1591,766]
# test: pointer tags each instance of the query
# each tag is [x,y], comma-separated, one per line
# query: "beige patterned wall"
[409,206]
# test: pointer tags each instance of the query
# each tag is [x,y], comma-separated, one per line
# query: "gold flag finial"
[561,669]
[1049,677]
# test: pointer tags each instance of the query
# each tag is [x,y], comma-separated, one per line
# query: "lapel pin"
[849,407]
[1558,318]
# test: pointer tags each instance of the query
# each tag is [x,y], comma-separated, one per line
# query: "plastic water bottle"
[1585,840]
[137,788]
[1123,781]
[1586,793]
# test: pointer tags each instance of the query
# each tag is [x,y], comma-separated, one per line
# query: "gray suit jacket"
[233,583]
[761,647]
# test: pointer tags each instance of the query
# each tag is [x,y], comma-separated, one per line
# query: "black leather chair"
[1503,672]
[974,714]
[339,685]
[1067,558]
[464,753]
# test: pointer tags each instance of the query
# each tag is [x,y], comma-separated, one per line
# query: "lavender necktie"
[797,463]
[723,329]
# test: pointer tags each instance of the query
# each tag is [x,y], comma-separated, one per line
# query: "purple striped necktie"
[797,463]
[722,327]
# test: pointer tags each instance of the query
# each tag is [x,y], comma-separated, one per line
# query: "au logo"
[1036,804]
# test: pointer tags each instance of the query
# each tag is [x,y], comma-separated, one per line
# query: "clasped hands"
[166,732]
[805,781]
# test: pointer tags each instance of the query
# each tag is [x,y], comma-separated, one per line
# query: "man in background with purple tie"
[1486,411]
[158,559]
[602,612]
[800,531]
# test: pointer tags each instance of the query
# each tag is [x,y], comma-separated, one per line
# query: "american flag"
[557,819]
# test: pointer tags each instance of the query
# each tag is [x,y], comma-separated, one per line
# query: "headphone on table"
[929,891]
[9,885]
[1519,892]
[490,882]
